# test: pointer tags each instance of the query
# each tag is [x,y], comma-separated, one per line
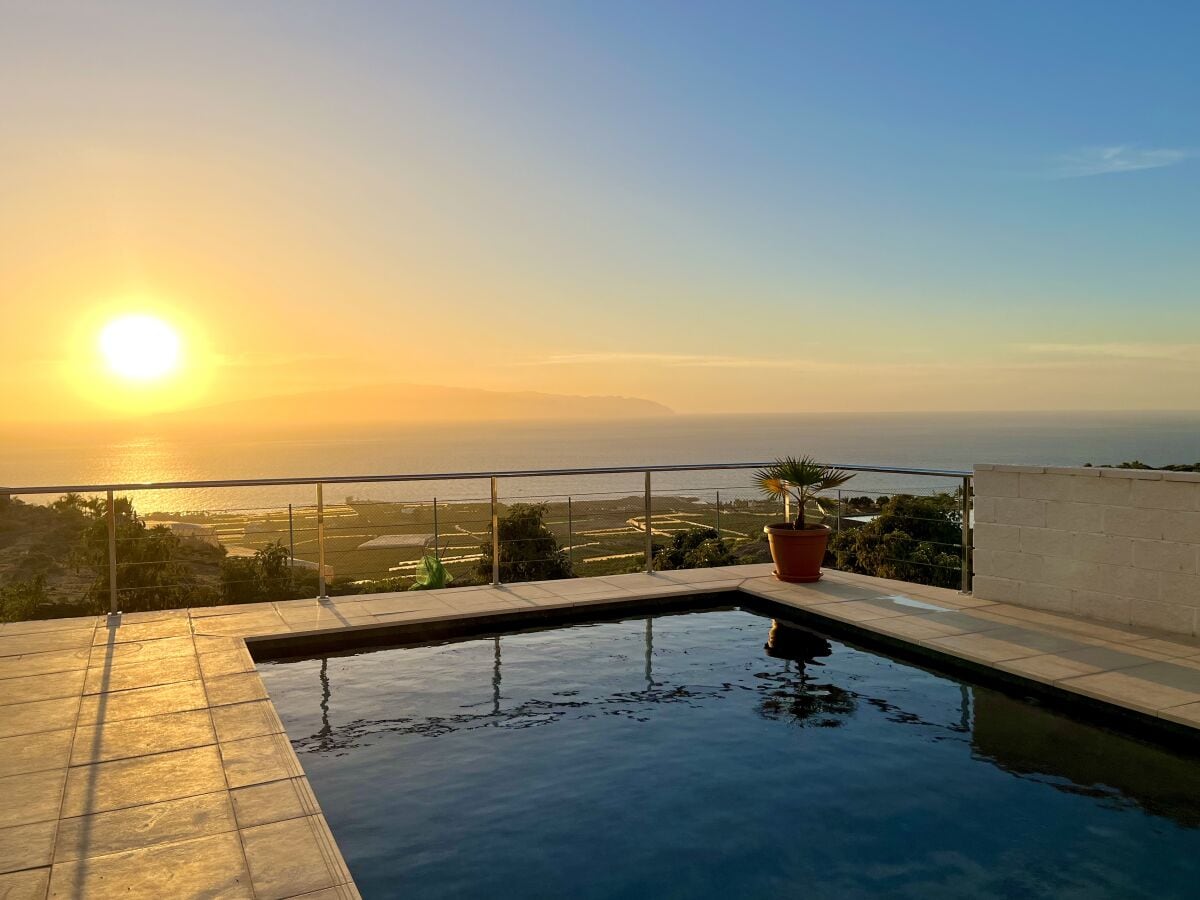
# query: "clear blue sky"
[904,205]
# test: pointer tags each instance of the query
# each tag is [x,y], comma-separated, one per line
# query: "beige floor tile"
[710,586]
[1126,689]
[229,662]
[1106,657]
[26,846]
[340,892]
[403,603]
[245,720]
[1060,623]
[41,715]
[207,867]
[259,759]
[28,885]
[292,857]
[861,611]
[145,779]
[138,827]
[1047,668]
[636,581]
[553,601]
[529,590]
[41,687]
[751,570]
[665,589]
[275,801]
[142,736]
[35,752]
[44,663]
[1187,714]
[33,797]
[124,676]
[804,595]
[573,587]
[30,626]
[44,641]
[241,624]
[485,601]
[979,647]
[910,627]
[142,651]
[152,615]
[240,688]
[216,643]
[1168,649]
[230,609]
[122,632]
[416,615]
[345,608]
[691,576]
[134,704]
[966,621]
[318,619]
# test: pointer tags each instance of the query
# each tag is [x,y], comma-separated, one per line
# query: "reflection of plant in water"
[792,693]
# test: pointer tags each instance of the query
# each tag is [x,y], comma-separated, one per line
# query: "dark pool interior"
[721,754]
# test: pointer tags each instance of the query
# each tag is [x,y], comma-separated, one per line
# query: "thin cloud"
[677,360]
[1117,350]
[1117,158]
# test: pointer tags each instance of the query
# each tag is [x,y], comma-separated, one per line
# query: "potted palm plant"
[798,547]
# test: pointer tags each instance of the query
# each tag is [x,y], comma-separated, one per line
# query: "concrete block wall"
[1118,545]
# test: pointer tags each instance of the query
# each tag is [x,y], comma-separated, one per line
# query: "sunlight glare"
[140,347]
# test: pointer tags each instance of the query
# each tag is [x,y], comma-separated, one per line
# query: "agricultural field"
[368,540]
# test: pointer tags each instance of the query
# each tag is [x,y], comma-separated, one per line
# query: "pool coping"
[144,754]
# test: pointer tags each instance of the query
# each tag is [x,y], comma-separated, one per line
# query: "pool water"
[680,756]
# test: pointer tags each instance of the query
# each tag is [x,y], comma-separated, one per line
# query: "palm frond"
[802,477]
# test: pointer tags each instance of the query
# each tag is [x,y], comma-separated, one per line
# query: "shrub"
[528,549]
[913,538]
[696,548]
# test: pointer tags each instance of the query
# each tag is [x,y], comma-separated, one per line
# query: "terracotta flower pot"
[798,553]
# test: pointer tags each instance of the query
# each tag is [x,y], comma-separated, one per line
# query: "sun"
[140,347]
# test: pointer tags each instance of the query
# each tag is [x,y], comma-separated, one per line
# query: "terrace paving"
[142,757]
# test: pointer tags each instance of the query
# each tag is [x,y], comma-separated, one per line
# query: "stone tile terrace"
[143,757]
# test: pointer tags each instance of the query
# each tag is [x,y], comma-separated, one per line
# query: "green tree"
[696,548]
[21,600]
[528,549]
[264,576]
[152,562]
[913,538]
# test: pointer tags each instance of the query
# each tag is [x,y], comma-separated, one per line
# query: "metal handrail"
[492,477]
[443,476]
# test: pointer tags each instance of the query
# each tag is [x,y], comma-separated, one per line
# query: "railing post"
[570,534]
[718,515]
[114,608]
[322,595]
[437,549]
[966,534]
[649,531]
[495,537]
[291,542]
[839,511]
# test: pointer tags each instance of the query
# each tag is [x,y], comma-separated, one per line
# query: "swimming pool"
[719,754]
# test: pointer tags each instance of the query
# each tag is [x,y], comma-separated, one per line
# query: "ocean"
[926,440]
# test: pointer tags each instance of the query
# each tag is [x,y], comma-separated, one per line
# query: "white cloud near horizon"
[1118,158]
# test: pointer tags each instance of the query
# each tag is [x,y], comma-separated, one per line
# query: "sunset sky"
[720,207]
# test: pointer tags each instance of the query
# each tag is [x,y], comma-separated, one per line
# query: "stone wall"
[1119,545]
